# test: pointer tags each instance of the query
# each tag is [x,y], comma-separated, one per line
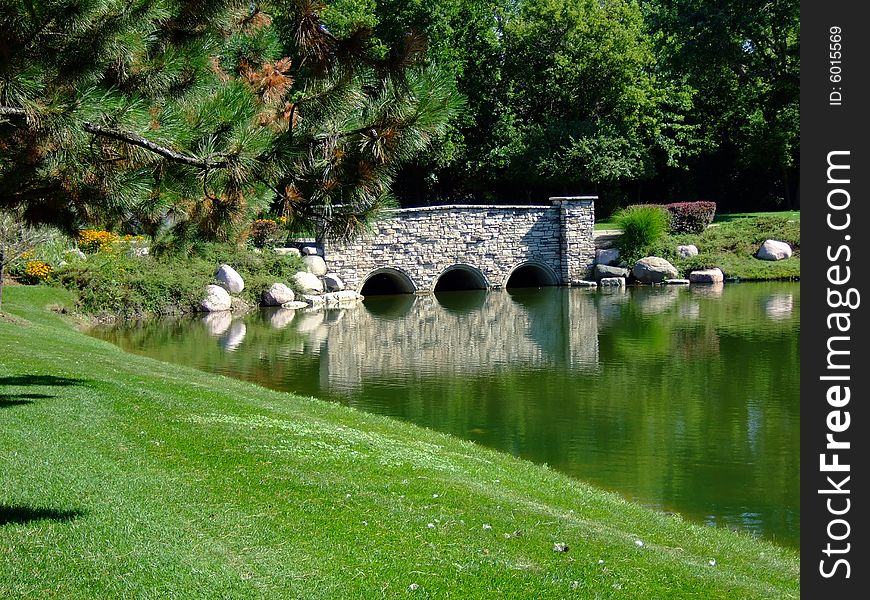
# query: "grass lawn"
[126,477]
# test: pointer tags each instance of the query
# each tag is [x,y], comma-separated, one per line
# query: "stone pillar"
[576,222]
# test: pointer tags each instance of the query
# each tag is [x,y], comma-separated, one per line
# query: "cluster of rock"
[318,287]
[610,271]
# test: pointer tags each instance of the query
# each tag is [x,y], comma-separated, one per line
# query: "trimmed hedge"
[691,217]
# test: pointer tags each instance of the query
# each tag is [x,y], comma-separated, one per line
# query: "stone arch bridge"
[470,247]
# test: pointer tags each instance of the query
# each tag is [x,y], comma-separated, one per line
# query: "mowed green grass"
[125,477]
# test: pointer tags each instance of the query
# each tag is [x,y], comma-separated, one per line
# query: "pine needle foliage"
[196,115]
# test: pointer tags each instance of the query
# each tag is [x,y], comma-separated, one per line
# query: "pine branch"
[128,137]
[134,139]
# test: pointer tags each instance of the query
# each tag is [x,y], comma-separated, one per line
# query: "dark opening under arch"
[530,276]
[387,281]
[460,278]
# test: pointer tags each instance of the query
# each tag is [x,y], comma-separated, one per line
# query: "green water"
[684,399]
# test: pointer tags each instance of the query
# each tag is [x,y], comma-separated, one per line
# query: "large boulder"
[308,282]
[229,279]
[333,282]
[312,251]
[602,271]
[687,250]
[607,256]
[277,294]
[774,250]
[216,299]
[652,269]
[315,265]
[707,276]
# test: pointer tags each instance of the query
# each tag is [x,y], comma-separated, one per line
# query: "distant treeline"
[637,101]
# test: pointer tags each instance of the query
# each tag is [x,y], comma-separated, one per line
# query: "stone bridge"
[470,247]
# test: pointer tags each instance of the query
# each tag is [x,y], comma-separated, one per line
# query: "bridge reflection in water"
[457,332]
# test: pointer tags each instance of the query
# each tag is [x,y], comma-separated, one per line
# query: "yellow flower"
[37,270]
[92,240]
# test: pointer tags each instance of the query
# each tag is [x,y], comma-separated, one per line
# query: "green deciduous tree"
[196,114]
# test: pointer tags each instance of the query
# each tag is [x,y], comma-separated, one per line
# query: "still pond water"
[683,399]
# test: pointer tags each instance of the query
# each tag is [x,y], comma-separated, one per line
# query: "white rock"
[584,284]
[707,276]
[607,256]
[774,250]
[311,251]
[333,282]
[216,299]
[278,294]
[676,282]
[652,269]
[138,251]
[288,251]
[315,265]
[229,279]
[308,282]
[687,251]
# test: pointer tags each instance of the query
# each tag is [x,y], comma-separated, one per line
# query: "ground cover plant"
[127,477]
[732,245]
[115,284]
[642,226]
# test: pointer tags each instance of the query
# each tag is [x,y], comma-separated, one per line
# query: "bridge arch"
[460,277]
[387,280]
[531,274]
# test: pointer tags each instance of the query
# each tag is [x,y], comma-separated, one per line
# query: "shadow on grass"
[21,380]
[21,515]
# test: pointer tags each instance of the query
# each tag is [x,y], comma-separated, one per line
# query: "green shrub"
[642,227]
[690,217]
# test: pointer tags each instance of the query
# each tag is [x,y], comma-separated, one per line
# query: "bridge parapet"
[489,243]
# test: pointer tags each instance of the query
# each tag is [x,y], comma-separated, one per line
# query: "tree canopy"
[196,113]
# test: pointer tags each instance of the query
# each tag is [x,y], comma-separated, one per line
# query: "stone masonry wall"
[424,242]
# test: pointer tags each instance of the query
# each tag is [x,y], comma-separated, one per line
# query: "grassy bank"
[731,244]
[126,477]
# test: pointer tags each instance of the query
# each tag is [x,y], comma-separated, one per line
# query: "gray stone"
[229,279]
[652,269]
[607,256]
[612,282]
[602,271]
[687,251]
[308,282]
[295,305]
[216,299]
[676,282]
[315,264]
[277,294]
[584,284]
[707,276]
[333,282]
[774,250]
[312,251]
[314,300]
[345,297]
[288,252]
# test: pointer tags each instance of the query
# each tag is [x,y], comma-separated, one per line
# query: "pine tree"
[197,114]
